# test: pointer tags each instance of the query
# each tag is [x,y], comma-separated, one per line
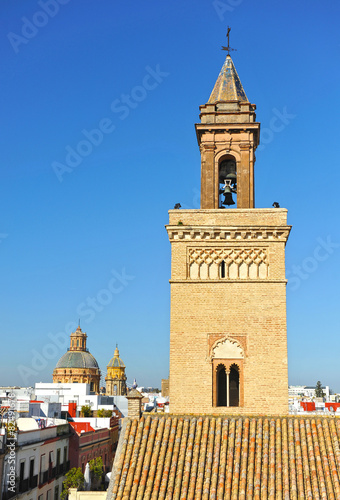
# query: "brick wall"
[250,311]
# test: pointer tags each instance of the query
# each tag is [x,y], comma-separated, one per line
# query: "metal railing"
[23,485]
[9,494]
[43,477]
[33,482]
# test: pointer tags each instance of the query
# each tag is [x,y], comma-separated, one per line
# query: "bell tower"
[228,136]
[228,339]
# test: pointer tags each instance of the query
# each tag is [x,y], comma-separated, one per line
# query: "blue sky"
[82,235]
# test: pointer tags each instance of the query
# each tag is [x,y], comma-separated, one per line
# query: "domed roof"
[116,362]
[77,359]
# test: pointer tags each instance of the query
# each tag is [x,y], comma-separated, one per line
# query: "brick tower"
[228,338]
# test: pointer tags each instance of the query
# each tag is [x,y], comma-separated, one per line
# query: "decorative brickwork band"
[229,263]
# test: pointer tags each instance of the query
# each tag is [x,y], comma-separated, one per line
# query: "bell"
[232,177]
[228,197]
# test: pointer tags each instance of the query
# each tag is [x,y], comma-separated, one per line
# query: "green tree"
[318,390]
[104,413]
[74,479]
[86,410]
[96,470]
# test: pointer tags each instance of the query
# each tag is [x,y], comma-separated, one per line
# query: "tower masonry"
[228,338]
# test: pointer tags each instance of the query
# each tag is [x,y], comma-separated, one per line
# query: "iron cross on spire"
[228,49]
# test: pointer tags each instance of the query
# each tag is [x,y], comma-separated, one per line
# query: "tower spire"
[228,136]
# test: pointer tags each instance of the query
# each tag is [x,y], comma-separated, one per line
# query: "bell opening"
[227,179]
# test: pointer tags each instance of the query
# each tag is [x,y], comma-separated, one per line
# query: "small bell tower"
[228,338]
[228,136]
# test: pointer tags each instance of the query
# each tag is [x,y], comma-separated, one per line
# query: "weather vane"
[228,49]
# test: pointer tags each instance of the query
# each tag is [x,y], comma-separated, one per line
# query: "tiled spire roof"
[228,86]
[227,458]
[116,361]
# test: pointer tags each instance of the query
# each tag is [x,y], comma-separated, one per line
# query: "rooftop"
[77,359]
[210,457]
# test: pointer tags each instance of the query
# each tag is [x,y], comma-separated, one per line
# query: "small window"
[222,269]
[22,470]
[42,463]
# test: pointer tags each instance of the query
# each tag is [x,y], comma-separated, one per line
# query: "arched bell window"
[227,178]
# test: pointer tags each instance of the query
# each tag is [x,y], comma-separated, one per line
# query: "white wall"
[32,445]
[66,390]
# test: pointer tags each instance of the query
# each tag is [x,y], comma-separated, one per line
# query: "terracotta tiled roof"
[80,427]
[228,458]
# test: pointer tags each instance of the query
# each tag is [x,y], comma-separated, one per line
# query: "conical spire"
[228,86]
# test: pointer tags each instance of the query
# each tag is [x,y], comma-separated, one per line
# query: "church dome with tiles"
[78,365]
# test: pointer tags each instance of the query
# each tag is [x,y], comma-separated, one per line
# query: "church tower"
[115,378]
[228,338]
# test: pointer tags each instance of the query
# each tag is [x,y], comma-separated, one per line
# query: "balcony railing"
[52,472]
[43,477]
[23,485]
[33,482]
[9,494]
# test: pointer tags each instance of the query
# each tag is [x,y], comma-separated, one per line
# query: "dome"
[77,359]
[116,362]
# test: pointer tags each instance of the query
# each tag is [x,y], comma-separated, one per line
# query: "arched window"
[221,386]
[227,181]
[234,386]
[91,386]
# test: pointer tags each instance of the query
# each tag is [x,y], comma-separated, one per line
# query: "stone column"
[134,403]
[245,188]
[208,177]
[227,374]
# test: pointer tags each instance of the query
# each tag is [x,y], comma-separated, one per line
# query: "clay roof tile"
[226,458]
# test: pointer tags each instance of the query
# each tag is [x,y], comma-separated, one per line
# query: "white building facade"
[35,467]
